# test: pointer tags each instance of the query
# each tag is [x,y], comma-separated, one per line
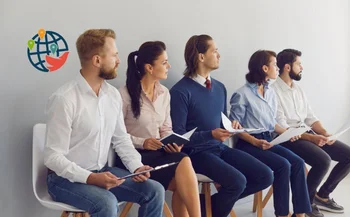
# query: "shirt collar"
[158,90]
[200,79]
[255,86]
[85,87]
[283,84]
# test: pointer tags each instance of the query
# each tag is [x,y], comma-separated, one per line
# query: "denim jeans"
[100,202]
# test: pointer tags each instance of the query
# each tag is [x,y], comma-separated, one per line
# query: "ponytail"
[133,83]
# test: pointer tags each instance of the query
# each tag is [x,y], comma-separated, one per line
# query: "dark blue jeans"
[100,202]
[238,173]
[287,168]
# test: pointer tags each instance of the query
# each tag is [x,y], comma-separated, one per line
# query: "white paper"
[288,134]
[228,126]
[189,133]
[335,136]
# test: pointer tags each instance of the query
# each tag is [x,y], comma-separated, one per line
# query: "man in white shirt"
[314,147]
[84,118]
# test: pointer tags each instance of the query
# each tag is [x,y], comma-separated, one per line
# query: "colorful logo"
[47,51]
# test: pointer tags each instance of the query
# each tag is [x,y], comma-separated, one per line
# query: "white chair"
[40,173]
[205,182]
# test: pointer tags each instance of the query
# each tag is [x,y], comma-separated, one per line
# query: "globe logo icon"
[47,51]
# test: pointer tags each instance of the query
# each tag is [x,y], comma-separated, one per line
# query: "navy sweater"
[193,105]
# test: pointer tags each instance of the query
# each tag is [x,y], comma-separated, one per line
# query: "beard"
[295,76]
[108,74]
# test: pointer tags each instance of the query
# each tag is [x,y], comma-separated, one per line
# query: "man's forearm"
[306,136]
[319,129]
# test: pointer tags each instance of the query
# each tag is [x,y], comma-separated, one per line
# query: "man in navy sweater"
[197,100]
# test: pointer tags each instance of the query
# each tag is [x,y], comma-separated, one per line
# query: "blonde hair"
[91,42]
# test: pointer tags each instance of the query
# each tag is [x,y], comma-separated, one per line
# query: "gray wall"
[319,28]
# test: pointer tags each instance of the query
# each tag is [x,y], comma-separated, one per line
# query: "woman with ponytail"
[146,108]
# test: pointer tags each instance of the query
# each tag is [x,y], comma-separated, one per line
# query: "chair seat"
[47,201]
[203,178]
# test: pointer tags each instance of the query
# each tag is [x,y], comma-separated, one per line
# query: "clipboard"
[150,170]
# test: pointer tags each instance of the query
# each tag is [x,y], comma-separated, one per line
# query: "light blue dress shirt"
[252,110]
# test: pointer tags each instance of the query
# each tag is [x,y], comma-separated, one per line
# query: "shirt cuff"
[82,176]
[283,124]
[138,142]
[311,121]
[132,166]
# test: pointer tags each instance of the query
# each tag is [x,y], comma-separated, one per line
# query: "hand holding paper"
[289,134]
[228,126]
[335,136]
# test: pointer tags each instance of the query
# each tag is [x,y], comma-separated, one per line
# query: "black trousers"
[319,158]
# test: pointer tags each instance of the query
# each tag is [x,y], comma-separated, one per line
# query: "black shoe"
[330,205]
[315,212]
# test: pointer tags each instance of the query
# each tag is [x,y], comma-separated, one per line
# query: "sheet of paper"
[288,134]
[228,126]
[189,133]
[335,136]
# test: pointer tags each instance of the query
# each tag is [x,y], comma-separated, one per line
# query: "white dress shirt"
[201,80]
[81,127]
[293,107]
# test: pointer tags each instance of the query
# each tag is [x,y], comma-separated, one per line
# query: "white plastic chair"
[40,173]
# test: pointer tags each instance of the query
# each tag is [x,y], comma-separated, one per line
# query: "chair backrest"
[39,171]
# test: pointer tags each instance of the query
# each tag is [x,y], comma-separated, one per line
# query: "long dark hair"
[260,58]
[147,54]
[195,45]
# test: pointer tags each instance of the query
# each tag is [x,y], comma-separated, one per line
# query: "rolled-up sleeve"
[238,107]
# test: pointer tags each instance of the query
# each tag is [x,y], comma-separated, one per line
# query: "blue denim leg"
[97,201]
[149,194]
[100,202]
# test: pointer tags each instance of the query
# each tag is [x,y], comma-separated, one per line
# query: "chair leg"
[78,214]
[267,197]
[65,214]
[126,209]
[167,211]
[232,213]
[255,203]
[207,194]
[259,206]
